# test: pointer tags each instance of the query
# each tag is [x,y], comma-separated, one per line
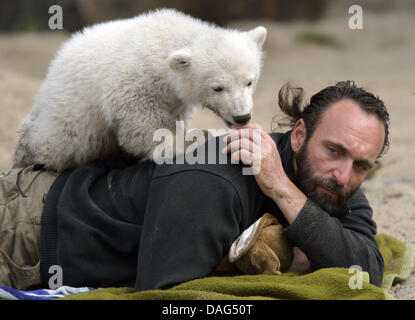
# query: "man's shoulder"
[206,159]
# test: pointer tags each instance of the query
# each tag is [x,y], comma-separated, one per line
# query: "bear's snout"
[242,119]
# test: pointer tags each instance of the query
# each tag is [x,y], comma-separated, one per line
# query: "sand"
[379,58]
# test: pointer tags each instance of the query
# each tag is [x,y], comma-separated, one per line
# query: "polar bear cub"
[111,86]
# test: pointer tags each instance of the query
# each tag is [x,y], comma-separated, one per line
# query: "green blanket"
[323,284]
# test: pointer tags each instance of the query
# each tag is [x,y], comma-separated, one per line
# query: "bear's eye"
[218,89]
[249,83]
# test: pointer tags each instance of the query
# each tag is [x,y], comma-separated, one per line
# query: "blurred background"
[19,15]
[29,15]
[309,43]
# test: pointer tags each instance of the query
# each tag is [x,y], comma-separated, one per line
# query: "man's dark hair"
[290,101]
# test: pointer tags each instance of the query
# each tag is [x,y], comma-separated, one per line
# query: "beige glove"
[260,249]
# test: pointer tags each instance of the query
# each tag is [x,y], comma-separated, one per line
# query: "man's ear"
[180,59]
[298,135]
[258,35]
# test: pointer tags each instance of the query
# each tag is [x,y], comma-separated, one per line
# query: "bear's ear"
[258,35]
[180,59]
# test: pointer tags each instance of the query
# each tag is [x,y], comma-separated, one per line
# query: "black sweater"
[148,226]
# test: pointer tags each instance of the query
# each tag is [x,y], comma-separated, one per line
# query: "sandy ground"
[379,58]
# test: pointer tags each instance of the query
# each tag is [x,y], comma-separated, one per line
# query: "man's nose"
[242,119]
[343,173]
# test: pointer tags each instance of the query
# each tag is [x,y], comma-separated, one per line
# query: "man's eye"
[249,83]
[361,166]
[218,89]
[332,150]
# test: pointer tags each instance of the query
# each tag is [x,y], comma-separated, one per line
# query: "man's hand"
[255,147]
[252,145]
[300,261]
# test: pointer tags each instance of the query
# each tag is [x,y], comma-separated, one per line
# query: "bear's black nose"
[242,119]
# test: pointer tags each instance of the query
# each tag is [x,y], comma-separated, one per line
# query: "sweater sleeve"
[339,241]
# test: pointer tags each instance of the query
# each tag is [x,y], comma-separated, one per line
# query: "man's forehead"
[347,123]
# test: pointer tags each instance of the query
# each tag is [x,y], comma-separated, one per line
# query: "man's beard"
[307,182]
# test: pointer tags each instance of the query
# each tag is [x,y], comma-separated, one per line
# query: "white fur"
[113,84]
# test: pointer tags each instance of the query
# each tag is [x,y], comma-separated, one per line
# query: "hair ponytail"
[290,100]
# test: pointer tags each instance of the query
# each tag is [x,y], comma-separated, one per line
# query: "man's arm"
[270,176]
[330,241]
[339,242]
